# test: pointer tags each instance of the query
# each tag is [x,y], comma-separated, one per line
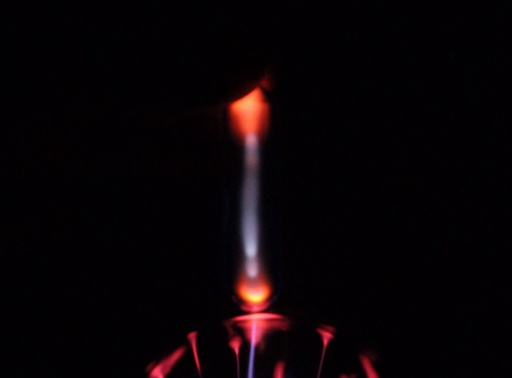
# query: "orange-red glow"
[250,115]
[254,294]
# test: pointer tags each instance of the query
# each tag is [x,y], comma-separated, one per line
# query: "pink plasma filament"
[235,342]
[161,369]
[366,362]
[327,334]
[192,338]
[279,370]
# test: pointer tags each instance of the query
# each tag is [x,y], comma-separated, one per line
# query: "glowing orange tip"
[250,115]
[254,295]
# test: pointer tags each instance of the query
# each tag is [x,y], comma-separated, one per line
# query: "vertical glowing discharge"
[250,372]
[249,119]
[250,203]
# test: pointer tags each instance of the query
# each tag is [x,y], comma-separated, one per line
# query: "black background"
[393,161]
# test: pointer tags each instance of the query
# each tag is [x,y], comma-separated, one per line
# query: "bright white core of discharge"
[250,204]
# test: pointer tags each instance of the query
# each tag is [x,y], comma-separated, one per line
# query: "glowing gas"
[250,115]
[249,119]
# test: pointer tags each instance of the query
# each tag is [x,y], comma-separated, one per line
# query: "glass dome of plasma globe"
[265,345]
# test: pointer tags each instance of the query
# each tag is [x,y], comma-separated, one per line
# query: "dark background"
[393,161]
